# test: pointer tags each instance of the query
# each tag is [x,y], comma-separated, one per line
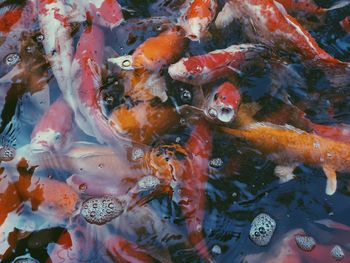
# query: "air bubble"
[186,96]
[262,229]
[12,59]
[40,38]
[148,182]
[126,63]
[305,243]
[101,210]
[337,253]
[216,249]
[137,154]
[100,166]
[216,163]
[212,113]
[83,187]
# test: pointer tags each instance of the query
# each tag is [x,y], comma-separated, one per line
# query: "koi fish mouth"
[222,113]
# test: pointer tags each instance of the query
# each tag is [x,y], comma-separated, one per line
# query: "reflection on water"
[111,149]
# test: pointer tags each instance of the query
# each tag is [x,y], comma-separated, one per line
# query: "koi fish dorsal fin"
[273,126]
[331,180]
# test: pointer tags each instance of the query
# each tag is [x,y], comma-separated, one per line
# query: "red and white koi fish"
[223,103]
[52,131]
[203,69]
[289,146]
[86,76]
[197,17]
[106,13]
[345,24]
[58,44]
[309,6]
[270,24]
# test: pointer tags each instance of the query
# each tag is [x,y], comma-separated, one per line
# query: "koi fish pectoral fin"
[331,180]
[285,172]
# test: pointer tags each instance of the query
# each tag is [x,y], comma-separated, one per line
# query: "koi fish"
[345,24]
[42,192]
[223,103]
[58,44]
[52,131]
[289,146]
[192,185]
[309,6]
[169,46]
[199,70]
[86,76]
[122,250]
[143,122]
[197,18]
[277,28]
[106,13]
[17,16]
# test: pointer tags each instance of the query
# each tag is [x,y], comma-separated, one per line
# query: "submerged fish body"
[288,145]
[202,69]
[304,6]
[197,18]
[51,133]
[271,25]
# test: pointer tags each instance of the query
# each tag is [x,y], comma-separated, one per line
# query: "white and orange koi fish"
[289,146]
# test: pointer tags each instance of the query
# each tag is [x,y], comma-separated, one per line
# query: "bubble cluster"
[101,210]
[148,183]
[12,59]
[337,253]
[305,243]
[40,38]
[262,229]
[7,154]
[136,154]
[216,163]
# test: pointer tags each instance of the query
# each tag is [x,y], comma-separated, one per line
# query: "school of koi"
[120,103]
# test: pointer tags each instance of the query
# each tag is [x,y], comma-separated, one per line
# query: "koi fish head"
[222,105]
[106,13]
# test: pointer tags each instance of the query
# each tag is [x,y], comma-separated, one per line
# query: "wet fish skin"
[202,69]
[270,24]
[197,17]
[192,184]
[223,103]
[51,133]
[288,145]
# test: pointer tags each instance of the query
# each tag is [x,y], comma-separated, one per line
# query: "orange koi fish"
[144,122]
[345,24]
[199,70]
[289,146]
[156,52]
[270,24]
[197,18]
[306,6]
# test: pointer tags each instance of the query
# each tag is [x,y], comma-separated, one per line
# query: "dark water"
[237,191]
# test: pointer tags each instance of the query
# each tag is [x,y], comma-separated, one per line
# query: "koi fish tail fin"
[339,5]
[8,136]
[284,77]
